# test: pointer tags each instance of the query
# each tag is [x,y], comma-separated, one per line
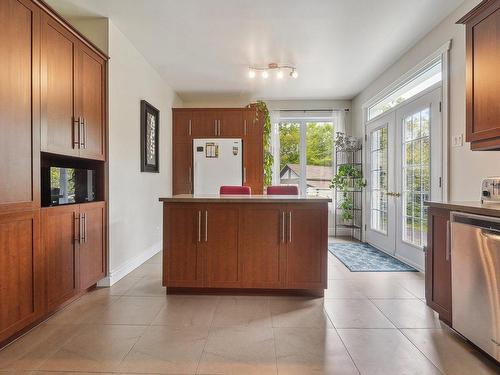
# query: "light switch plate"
[458,140]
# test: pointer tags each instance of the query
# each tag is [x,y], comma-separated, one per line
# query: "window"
[424,79]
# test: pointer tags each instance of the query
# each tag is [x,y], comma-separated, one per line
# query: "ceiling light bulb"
[251,73]
[265,74]
[294,74]
[279,75]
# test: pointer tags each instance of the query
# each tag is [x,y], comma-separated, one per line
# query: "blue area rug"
[361,257]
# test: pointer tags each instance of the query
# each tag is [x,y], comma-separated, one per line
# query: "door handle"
[218,127]
[244,174]
[189,128]
[244,127]
[76,132]
[206,225]
[448,240]
[82,230]
[282,226]
[199,226]
[84,132]
[215,127]
[290,226]
[85,226]
[75,219]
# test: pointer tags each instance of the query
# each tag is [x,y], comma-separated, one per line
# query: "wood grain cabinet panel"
[19,105]
[91,253]
[438,264]
[220,246]
[482,78]
[21,271]
[231,123]
[61,233]
[306,258]
[182,168]
[90,102]
[59,126]
[263,246]
[182,234]
[207,123]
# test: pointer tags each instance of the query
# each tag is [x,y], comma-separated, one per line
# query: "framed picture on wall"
[150,127]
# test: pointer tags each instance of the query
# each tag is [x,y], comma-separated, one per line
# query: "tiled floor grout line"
[347,350]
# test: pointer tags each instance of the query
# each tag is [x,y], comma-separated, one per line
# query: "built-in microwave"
[61,185]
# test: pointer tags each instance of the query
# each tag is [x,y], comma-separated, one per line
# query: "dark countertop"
[189,198]
[473,207]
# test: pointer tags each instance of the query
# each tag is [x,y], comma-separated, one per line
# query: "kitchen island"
[254,244]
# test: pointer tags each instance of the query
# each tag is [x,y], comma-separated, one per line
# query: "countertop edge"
[470,207]
[242,200]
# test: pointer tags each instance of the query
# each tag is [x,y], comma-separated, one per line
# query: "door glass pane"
[289,153]
[416,177]
[319,158]
[378,179]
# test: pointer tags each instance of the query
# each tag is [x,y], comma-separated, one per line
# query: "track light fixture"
[252,71]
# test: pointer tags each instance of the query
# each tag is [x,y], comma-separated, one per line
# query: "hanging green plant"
[347,177]
[268,156]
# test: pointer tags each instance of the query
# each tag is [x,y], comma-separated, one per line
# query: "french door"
[404,160]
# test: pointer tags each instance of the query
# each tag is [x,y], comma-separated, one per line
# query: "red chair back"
[283,190]
[235,190]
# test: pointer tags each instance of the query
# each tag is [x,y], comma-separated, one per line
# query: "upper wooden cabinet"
[19,105]
[482,78]
[73,94]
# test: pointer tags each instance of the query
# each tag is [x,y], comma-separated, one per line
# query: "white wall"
[466,168]
[95,29]
[135,215]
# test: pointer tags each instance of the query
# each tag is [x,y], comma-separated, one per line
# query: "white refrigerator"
[217,162]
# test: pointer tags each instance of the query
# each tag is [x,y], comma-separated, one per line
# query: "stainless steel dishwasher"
[475,277]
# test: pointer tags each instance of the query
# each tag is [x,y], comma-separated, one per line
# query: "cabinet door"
[182,168]
[307,242]
[483,80]
[92,243]
[19,105]
[90,99]
[437,263]
[60,228]
[60,130]
[262,246]
[220,246]
[253,167]
[21,271]
[206,125]
[253,124]
[181,236]
[231,123]
[182,125]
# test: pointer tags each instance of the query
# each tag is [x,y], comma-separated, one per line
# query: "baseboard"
[127,267]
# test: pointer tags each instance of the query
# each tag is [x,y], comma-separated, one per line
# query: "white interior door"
[404,169]
[381,219]
[418,172]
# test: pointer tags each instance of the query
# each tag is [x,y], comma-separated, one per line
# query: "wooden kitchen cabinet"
[182,168]
[21,271]
[263,246]
[73,239]
[231,123]
[438,263]
[482,78]
[19,98]
[60,234]
[73,94]
[92,259]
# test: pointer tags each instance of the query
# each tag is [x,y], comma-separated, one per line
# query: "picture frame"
[150,136]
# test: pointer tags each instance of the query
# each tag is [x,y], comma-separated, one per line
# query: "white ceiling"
[205,46]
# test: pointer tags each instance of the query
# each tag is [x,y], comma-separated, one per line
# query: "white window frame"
[443,53]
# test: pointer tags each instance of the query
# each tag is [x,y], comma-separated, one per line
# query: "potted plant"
[348,177]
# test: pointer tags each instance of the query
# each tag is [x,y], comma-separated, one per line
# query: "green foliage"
[347,177]
[268,157]
[289,144]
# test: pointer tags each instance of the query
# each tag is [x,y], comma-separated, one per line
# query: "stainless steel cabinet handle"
[448,240]
[199,226]
[244,127]
[82,230]
[218,127]
[84,133]
[290,226]
[282,226]
[76,132]
[206,225]
[85,226]
[189,128]
[215,127]
[75,219]
[244,174]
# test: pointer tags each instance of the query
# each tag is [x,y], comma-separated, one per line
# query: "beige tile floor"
[368,323]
